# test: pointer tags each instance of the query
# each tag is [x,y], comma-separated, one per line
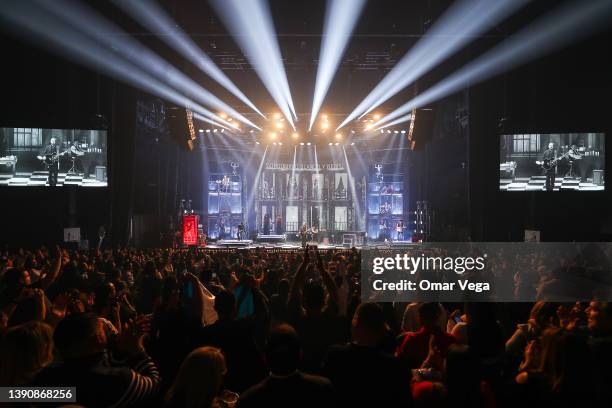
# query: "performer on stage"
[279,225]
[549,155]
[383,229]
[400,228]
[315,233]
[266,224]
[240,232]
[304,235]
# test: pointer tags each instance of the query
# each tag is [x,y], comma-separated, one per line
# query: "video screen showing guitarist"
[50,155]
[549,156]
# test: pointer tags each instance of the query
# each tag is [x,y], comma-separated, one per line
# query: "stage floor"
[39,178]
[248,244]
[538,183]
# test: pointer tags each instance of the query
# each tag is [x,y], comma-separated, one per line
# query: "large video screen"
[53,157]
[552,162]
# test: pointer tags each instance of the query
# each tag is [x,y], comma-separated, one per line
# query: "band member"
[383,229]
[240,232]
[400,230]
[549,155]
[315,233]
[279,225]
[51,157]
[266,224]
[304,235]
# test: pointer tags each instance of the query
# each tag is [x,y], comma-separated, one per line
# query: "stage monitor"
[37,157]
[552,162]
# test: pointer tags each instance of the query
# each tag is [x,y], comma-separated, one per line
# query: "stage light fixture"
[324,126]
[207,130]
[295,135]
[153,17]
[251,24]
[376,116]
[459,25]
[215,130]
[279,125]
[301,143]
[256,142]
[330,143]
[273,135]
[338,135]
[340,19]
[280,143]
[566,24]
[308,144]
[337,144]
[201,130]
[352,143]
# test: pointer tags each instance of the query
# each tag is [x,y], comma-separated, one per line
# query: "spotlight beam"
[565,25]
[459,25]
[98,28]
[251,24]
[152,16]
[397,121]
[341,17]
[72,44]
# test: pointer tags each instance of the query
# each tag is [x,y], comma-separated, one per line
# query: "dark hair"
[314,295]
[225,303]
[371,316]
[429,312]
[73,334]
[283,350]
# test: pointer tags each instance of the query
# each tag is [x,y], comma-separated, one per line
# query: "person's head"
[314,297]
[600,317]
[283,287]
[25,350]
[429,312]
[283,350]
[543,314]
[199,379]
[551,145]
[225,304]
[368,324]
[80,335]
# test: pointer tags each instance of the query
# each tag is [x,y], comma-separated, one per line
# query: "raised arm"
[298,280]
[53,272]
[328,281]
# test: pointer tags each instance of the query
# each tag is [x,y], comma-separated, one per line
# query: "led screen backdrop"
[53,157]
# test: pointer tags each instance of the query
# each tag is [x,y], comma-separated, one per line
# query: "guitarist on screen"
[548,156]
[51,155]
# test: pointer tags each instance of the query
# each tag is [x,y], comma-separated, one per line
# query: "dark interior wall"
[41,90]
[566,92]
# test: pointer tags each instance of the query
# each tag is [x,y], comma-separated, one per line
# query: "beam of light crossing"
[113,37]
[567,24]
[152,16]
[253,193]
[397,121]
[340,19]
[459,25]
[72,44]
[251,24]
[351,183]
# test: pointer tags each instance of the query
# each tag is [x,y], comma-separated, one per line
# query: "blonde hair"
[25,349]
[199,379]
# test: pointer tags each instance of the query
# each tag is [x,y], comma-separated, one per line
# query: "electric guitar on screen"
[51,159]
[548,164]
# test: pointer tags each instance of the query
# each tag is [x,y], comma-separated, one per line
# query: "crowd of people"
[271,328]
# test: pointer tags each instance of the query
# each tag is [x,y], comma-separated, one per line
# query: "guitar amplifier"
[101,173]
[598,177]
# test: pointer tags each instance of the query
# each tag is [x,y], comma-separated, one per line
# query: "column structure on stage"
[319,196]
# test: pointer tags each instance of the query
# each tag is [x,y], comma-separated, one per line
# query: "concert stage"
[39,178]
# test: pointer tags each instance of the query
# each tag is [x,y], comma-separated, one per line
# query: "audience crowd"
[281,328]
